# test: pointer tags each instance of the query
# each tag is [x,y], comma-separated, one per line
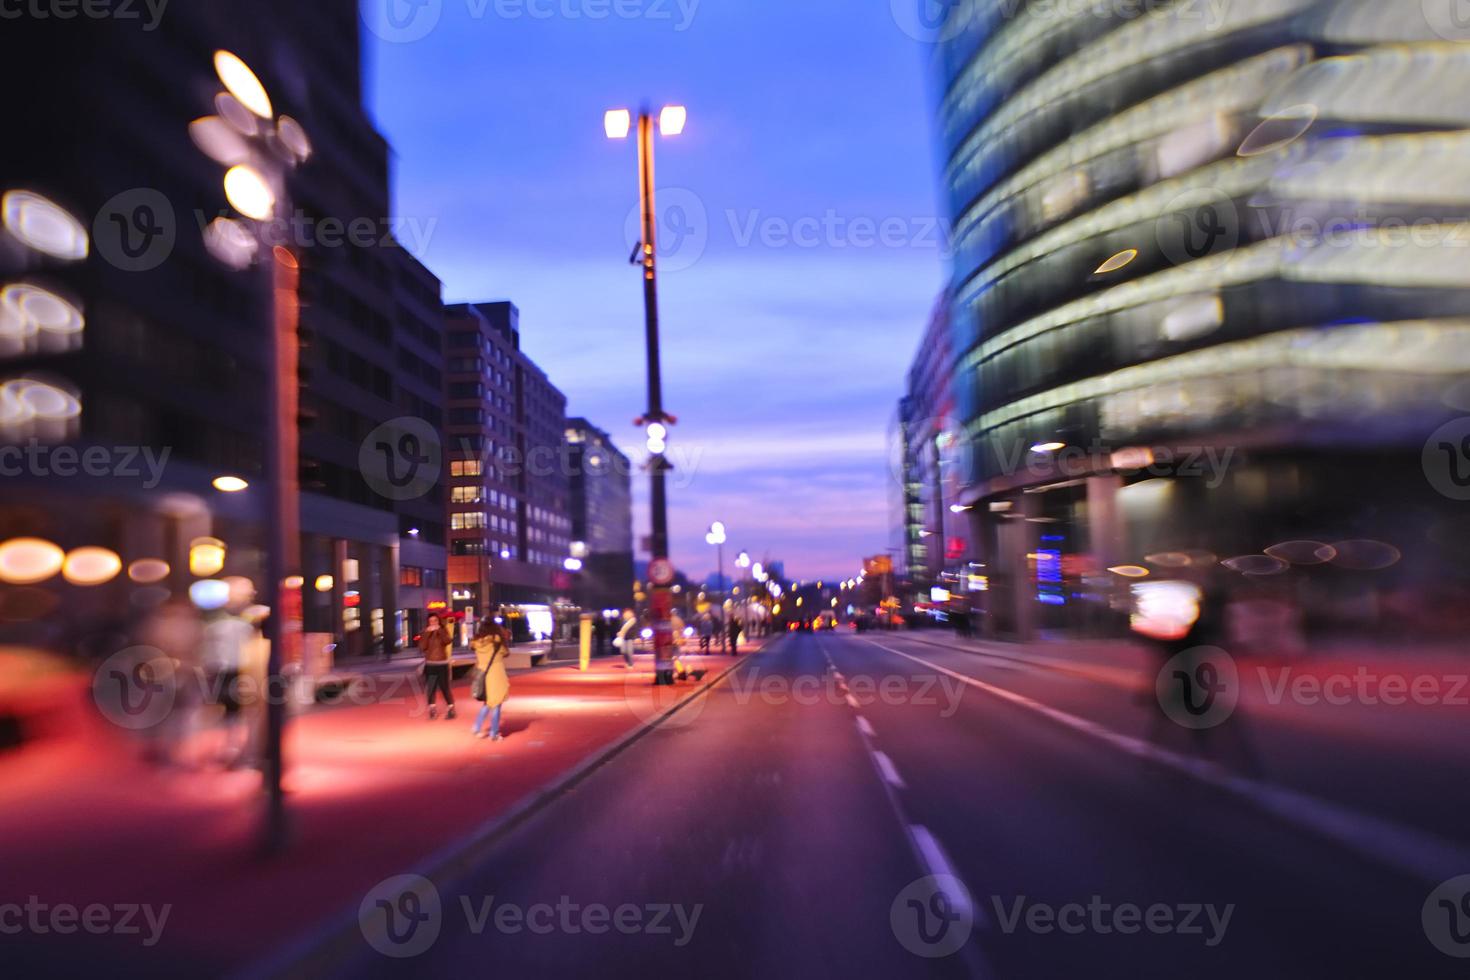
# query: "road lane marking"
[890,774]
[1384,842]
[939,865]
[924,847]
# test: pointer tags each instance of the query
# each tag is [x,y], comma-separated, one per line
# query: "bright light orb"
[230,484]
[148,571]
[617,123]
[210,594]
[91,566]
[28,561]
[671,121]
[44,226]
[206,557]
[248,193]
[243,84]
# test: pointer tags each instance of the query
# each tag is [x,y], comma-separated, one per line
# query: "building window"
[411,576]
[466,467]
[468,495]
[467,521]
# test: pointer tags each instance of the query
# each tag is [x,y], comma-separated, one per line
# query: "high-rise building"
[168,358]
[602,516]
[509,505]
[1191,321]
[936,548]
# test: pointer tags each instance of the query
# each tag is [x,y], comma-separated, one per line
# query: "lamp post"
[617,123]
[255,187]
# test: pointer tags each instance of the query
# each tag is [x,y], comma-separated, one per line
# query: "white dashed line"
[1384,842]
[939,865]
[890,774]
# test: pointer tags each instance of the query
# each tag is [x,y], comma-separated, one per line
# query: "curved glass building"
[1210,260]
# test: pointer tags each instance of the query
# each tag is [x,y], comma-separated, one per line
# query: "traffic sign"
[661,571]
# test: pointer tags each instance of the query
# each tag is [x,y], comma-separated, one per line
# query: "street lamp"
[716,537]
[618,123]
[254,185]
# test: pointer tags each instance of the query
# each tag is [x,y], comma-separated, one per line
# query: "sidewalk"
[373,790]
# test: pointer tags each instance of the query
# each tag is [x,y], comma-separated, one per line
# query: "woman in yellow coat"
[492,685]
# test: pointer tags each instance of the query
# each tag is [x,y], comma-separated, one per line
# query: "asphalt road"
[848,806]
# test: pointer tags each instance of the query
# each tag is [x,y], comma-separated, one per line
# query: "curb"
[337,942]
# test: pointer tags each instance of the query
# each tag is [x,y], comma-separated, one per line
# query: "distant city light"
[27,561]
[324,583]
[209,594]
[229,484]
[206,557]
[148,571]
[1048,447]
[572,564]
[91,566]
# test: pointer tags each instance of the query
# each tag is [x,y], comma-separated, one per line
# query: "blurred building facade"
[510,521]
[1192,329]
[168,358]
[936,545]
[602,516]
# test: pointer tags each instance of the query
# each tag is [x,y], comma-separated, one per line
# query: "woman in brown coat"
[491,648]
[436,641]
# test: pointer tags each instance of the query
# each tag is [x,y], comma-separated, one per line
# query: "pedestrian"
[627,637]
[706,632]
[734,634]
[436,641]
[492,683]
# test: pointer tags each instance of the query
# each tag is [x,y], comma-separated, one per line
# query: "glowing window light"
[617,123]
[672,119]
[248,193]
[294,581]
[28,561]
[43,225]
[91,566]
[148,571]
[206,557]
[324,583]
[243,84]
[209,594]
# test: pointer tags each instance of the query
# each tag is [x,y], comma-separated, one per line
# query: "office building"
[602,516]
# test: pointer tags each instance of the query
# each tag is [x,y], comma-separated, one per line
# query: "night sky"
[802,246]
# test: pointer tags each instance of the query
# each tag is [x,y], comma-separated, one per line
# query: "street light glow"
[230,484]
[617,122]
[248,193]
[44,225]
[671,121]
[243,84]
[1048,447]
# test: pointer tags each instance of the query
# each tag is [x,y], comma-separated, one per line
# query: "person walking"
[734,634]
[492,683]
[436,641]
[706,632]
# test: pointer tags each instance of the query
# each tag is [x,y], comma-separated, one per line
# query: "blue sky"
[802,253]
